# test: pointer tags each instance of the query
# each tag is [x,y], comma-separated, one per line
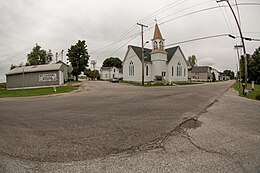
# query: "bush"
[257,97]
[2,85]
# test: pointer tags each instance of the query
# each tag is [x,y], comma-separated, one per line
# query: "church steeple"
[158,41]
[157,33]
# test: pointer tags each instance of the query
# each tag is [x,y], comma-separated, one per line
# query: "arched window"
[161,44]
[155,45]
[147,70]
[184,72]
[179,69]
[172,71]
[131,68]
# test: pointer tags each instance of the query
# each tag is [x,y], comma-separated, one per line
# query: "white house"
[204,73]
[107,73]
[216,73]
[168,65]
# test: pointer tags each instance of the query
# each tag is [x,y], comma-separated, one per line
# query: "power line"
[111,53]
[112,44]
[238,13]
[168,6]
[202,10]
[200,38]
[185,9]
[187,14]
[171,5]
[232,31]
[249,3]
[229,29]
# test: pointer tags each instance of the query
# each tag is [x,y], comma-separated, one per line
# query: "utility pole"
[237,47]
[142,34]
[241,36]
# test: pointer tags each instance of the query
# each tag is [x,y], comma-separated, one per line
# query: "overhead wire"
[196,39]
[168,6]
[114,51]
[238,13]
[175,18]
[184,9]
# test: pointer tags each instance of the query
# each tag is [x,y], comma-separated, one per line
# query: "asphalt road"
[100,120]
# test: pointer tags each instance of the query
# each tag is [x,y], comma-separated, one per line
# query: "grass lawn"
[35,92]
[251,95]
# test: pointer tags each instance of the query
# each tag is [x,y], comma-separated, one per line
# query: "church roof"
[147,56]
[138,51]
[157,33]
[171,51]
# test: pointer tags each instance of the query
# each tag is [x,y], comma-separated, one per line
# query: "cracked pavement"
[223,137]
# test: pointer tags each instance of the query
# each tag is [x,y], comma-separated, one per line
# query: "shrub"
[257,97]
[2,85]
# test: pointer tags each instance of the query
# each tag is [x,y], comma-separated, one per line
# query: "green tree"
[37,56]
[12,66]
[229,73]
[192,60]
[78,57]
[112,62]
[94,74]
[254,66]
[213,77]
[49,56]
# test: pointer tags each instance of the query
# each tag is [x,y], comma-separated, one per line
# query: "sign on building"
[48,77]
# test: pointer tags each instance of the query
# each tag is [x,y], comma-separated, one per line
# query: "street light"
[241,36]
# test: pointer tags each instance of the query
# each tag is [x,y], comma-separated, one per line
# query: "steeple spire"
[158,41]
[157,33]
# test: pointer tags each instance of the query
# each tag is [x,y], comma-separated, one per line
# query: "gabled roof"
[200,69]
[35,68]
[138,51]
[147,56]
[171,51]
[157,33]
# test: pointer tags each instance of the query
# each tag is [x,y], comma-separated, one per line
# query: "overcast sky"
[56,25]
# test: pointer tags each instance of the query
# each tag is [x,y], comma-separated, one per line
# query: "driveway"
[100,120]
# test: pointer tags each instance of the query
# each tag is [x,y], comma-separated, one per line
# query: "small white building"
[107,73]
[216,73]
[204,73]
[166,65]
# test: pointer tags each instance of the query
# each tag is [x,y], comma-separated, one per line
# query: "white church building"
[160,64]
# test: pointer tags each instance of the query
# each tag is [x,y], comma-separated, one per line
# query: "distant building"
[216,74]
[160,64]
[37,76]
[107,73]
[204,73]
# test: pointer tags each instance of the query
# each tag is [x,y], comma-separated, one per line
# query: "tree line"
[77,55]
[253,67]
